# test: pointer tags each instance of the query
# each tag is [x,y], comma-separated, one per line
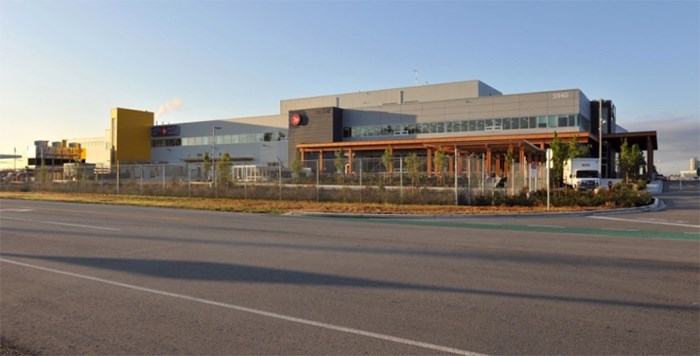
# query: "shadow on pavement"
[207,271]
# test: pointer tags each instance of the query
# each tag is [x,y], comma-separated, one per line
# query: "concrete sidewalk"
[655,187]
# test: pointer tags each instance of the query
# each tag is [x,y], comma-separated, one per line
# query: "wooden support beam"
[489,166]
[429,152]
[498,165]
[458,156]
[320,161]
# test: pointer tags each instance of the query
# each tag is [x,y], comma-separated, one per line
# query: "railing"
[398,180]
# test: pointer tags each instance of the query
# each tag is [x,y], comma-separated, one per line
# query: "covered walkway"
[528,148]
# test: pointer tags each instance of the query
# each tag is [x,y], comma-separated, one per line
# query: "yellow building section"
[131,135]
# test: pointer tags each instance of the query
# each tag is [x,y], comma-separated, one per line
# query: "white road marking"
[614,229]
[642,221]
[548,226]
[64,224]
[17,210]
[253,311]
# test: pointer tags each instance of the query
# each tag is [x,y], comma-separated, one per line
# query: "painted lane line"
[318,324]
[566,230]
[16,210]
[64,224]
[615,229]
[557,226]
[643,221]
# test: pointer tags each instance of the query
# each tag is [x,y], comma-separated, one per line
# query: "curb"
[657,205]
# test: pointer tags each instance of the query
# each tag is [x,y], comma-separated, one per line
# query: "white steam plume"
[174,104]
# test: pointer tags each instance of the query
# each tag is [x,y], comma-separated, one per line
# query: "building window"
[506,123]
[274,136]
[169,142]
[424,128]
[563,121]
[437,127]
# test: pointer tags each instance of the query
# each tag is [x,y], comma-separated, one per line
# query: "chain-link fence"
[397,180]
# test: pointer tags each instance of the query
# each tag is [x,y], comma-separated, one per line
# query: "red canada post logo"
[295,119]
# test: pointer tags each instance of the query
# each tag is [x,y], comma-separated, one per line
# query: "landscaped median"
[564,203]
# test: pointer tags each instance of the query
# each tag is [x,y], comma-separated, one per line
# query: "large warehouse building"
[459,118]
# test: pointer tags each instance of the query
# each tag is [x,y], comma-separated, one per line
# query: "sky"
[65,64]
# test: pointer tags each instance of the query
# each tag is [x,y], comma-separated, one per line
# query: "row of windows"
[166,142]
[511,123]
[220,139]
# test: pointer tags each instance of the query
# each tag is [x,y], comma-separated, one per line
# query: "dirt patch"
[8,348]
[284,206]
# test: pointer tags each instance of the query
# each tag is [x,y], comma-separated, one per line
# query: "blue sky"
[64,65]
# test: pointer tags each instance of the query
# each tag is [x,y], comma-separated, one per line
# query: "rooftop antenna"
[415,73]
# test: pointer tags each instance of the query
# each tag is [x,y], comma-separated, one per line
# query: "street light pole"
[213,152]
[600,137]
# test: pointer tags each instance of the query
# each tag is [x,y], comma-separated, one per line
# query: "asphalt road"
[92,279]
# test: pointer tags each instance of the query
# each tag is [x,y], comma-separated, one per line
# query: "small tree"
[223,169]
[413,167]
[339,164]
[206,165]
[339,161]
[574,150]
[387,161]
[509,160]
[440,163]
[296,164]
[631,159]
[559,155]
[42,174]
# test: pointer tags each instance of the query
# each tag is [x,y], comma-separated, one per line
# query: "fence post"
[549,156]
[483,174]
[360,159]
[318,175]
[189,181]
[455,172]
[469,179]
[163,179]
[401,176]
[512,179]
[117,177]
